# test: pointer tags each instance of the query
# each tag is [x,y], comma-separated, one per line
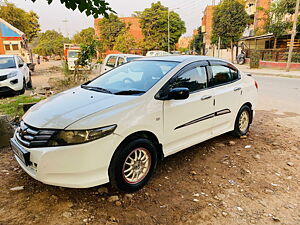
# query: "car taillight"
[256,84]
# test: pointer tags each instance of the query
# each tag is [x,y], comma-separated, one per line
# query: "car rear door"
[227,87]
[188,122]
[24,68]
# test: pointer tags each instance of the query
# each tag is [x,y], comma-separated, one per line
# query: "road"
[281,95]
[277,93]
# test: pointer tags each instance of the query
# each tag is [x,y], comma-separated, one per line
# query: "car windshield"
[7,63]
[72,54]
[133,78]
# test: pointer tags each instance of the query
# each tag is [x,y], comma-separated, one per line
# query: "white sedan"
[116,127]
[14,74]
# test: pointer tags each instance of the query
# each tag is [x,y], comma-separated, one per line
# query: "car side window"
[120,61]
[111,62]
[223,74]
[194,79]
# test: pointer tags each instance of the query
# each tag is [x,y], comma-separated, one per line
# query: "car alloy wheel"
[136,165]
[244,121]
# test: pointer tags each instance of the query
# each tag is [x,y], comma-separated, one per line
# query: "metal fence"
[276,55]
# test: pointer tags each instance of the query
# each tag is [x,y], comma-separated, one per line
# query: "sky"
[68,22]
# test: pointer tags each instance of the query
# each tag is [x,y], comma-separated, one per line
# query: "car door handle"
[205,97]
[237,89]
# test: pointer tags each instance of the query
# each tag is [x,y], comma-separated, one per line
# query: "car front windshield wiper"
[99,89]
[129,92]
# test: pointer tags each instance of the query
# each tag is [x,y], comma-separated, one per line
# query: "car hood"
[7,71]
[63,109]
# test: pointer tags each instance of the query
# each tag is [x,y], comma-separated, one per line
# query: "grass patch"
[12,106]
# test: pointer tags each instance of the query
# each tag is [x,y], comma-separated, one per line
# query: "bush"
[254,59]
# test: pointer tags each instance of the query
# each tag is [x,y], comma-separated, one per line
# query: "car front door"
[227,87]
[188,122]
[23,68]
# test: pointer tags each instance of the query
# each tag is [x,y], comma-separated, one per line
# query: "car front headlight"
[67,137]
[12,74]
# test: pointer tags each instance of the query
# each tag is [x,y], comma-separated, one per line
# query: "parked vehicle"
[157,53]
[241,58]
[114,60]
[116,127]
[71,55]
[15,76]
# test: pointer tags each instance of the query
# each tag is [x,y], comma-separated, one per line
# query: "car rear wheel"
[242,122]
[29,83]
[133,165]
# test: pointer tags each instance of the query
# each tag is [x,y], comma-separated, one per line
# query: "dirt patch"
[215,182]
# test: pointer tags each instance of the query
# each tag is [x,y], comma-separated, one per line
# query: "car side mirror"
[21,65]
[179,94]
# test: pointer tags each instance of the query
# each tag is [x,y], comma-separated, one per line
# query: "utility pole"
[294,32]
[66,26]
[168,30]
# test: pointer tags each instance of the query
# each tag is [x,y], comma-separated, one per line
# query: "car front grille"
[2,78]
[32,137]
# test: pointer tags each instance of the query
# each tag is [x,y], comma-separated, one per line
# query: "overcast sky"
[54,16]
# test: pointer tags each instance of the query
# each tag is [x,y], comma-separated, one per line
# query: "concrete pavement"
[269,72]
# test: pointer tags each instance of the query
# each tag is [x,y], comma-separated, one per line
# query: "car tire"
[132,165]
[243,121]
[29,83]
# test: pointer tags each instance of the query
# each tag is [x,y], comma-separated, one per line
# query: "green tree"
[50,43]
[229,21]
[110,28]
[154,24]
[27,22]
[197,41]
[90,7]
[124,42]
[276,22]
[86,36]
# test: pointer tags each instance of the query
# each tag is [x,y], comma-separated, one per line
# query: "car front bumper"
[8,84]
[74,166]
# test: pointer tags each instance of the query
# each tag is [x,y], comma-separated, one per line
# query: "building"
[207,26]
[184,42]
[133,23]
[13,41]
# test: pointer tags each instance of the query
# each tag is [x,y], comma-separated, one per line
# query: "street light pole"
[168,30]
[294,31]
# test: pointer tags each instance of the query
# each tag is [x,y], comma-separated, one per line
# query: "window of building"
[15,47]
[7,47]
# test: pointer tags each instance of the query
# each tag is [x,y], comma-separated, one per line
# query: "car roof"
[2,56]
[125,55]
[179,58]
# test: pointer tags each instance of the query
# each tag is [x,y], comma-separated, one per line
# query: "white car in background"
[117,126]
[114,60]
[15,75]
[157,53]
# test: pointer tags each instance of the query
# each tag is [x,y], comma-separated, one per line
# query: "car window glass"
[136,75]
[120,61]
[223,74]
[111,62]
[194,79]
[7,63]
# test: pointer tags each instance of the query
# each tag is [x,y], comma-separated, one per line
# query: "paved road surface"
[277,93]
[283,96]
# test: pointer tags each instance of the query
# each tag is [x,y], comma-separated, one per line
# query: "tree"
[229,21]
[90,7]
[125,42]
[197,41]
[50,43]
[110,28]
[27,22]
[154,24]
[276,22]
[86,36]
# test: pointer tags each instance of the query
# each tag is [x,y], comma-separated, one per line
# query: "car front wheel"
[242,122]
[133,165]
